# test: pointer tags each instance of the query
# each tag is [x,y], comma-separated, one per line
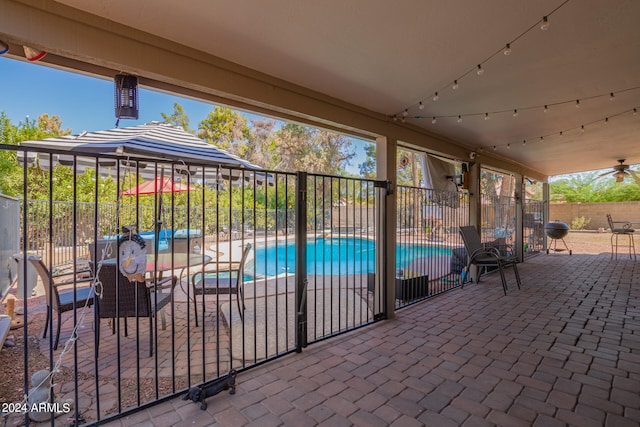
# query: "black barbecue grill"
[557,230]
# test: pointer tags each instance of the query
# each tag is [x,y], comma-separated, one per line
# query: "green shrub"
[580,223]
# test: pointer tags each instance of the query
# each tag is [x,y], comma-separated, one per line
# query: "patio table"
[168,261]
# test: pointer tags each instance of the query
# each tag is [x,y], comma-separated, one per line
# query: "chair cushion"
[82,294]
[219,285]
[623,230]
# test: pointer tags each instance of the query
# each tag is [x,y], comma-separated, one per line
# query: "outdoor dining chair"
[487,256]
[621,228]
[122,298]
[221,278]
[60,293]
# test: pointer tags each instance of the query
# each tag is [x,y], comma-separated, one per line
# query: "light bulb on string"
[480,70]
[405,113]
[433,121]
[524,142]
[435,96]
[508,146]
[515,113]
[545,24]
[395,118]
[612,97]
[561,133]
[455,85]
[495,148]
[507,49]
[420,105]
[635,111]
[542,139]
[403,120]
[606,120]
[459,119]
[577,103]
[582,129]
[545,109]
[486,116]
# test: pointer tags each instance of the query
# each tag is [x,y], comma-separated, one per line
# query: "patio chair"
[221,278]
[122,298]
[621,228]
[487,256]
[110,247]
[59,293]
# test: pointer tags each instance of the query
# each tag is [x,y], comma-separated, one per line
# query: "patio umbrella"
[159,185]
[154,141]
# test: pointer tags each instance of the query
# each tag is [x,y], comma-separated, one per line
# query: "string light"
[612,97]
[486,116]
[459,119]
[508,146]
[495,148]
[506,50]
[433,121]
[581,129]
[514,111]
[544,26]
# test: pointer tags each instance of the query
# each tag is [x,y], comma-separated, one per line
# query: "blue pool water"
[326,256]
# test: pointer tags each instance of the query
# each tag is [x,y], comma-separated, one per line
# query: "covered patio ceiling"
[388,57]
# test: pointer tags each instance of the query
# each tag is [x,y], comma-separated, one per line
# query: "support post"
[301,261]
[386,160]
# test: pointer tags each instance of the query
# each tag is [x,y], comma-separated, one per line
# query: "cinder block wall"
[597,212]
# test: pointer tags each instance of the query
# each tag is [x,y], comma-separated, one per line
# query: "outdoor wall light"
[33,54]
[126,96]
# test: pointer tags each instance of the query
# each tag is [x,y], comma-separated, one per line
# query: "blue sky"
[86,103]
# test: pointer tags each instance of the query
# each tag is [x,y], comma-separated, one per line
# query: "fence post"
[301,260]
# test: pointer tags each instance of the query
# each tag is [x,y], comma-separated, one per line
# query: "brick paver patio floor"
[564,350]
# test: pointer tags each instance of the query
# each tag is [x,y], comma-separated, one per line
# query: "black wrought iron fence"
[533,227]
[239,267]
[430,254]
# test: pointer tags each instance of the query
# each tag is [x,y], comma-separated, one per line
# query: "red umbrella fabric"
[160,184]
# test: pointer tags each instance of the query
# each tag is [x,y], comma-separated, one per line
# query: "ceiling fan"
[620,172]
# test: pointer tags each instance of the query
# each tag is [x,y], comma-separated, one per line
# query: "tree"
[178,118]
[368,167]
[225,129]
[585,188]
[11,178]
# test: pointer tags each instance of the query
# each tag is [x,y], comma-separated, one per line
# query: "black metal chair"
[60,294]
[621,228]
[121,298]
[221,278]
[487,256]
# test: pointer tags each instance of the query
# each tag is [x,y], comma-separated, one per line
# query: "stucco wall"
[597,212]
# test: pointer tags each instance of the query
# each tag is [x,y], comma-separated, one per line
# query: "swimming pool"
[327,256]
